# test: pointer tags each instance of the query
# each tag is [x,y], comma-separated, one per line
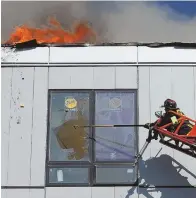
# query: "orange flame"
[82,33]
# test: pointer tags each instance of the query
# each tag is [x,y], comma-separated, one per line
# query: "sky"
[113,21]
[182,7]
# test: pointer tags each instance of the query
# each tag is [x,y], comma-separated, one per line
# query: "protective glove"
[147,125]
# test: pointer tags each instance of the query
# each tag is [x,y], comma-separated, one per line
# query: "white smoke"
[113,21]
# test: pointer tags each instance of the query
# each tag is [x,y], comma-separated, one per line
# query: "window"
[83,155]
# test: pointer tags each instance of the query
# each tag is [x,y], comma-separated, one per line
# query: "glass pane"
[116,175]
[115,144]
[68,175]
[66,142]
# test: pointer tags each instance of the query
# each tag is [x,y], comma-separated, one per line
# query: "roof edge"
[34,44]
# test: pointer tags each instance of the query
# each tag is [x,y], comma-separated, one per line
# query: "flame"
[56,34]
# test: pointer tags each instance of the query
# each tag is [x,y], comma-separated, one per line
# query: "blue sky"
[182,7]
[187,8]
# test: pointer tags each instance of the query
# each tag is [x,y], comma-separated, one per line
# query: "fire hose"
[110,125]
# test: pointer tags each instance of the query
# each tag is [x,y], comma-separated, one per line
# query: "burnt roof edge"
[33,44]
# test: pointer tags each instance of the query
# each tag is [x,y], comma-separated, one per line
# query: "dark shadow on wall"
[163,173]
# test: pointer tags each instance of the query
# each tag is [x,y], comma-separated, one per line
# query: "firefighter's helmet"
[169,104]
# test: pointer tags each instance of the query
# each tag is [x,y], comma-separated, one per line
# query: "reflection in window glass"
[115,144]
[68,175]
[115,175]
[66,142]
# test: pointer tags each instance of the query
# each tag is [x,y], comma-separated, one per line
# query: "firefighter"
[168,117]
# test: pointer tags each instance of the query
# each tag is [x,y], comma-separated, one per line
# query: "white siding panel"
[72,192]
[144,113]
[20,127]
[185,165]
[71,78]
[3,193]
[160,90]
[96,54]
[156,159]
[167,192]
[183,89]
[23,193]
[104,78]
[126,77]
[39,127]
[6,79]
[37,55]
[59,78]
[183,93]
[19,193]
[98,192]
[126,192]
[145,193]
[37,193]
[173,192]
[166,54]
[161,155]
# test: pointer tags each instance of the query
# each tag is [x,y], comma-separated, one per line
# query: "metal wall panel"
[98,192]
[37,55]
[71,78]
[92,192]
[160,90]
[98,54]
[183,93]
[166,83]
[144,116]
[37,193]
[126,77]
[23,193]
[94,54]
[39,130]
[20,127]
[183,89]
[6,79]
[172,192]
[93,77]
[104,78]
[145,192]
[3,193]
[166,55]
[153,90]
[126,192]
[166,192]
[72,192]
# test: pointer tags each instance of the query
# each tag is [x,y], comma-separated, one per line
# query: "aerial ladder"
[183,143]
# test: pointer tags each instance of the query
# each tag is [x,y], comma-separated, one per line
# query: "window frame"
[83,164]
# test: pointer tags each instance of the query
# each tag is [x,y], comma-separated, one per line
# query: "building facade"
[43,87]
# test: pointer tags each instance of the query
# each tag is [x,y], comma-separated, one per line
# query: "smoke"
[113,21]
